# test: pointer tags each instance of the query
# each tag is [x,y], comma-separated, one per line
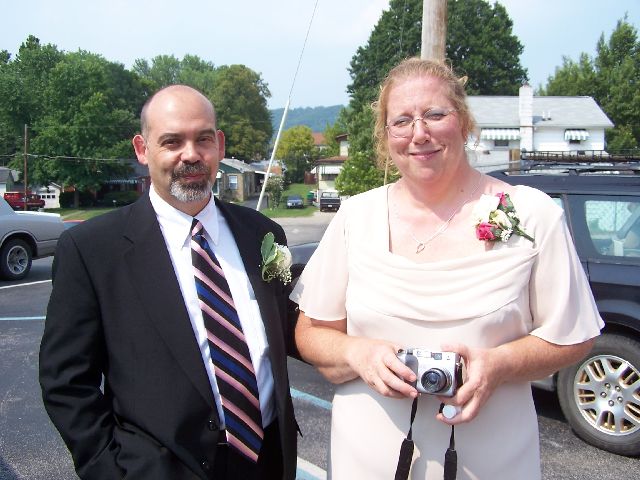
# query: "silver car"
[25,236]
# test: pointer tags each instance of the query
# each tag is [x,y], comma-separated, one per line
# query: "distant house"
[236,180]
[326,171]
[50,194]
[319,141]
[509,125]
[7,180]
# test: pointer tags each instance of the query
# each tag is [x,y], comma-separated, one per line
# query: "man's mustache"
[190,169]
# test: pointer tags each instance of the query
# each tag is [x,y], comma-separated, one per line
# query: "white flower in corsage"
[276,260]
[496,219]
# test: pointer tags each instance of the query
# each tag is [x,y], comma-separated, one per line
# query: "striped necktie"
[229,352]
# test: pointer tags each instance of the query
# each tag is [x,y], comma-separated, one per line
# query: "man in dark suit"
[125,359]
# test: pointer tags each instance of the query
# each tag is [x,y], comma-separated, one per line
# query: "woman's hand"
[525,359]
[375,361]
[481,379]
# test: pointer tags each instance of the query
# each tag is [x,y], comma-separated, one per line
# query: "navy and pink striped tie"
[234,371]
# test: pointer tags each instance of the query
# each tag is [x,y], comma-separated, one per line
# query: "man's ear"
[140,147]
[221,147]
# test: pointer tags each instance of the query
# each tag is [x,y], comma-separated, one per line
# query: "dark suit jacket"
[117,310]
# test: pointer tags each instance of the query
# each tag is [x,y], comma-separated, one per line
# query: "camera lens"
[434,380]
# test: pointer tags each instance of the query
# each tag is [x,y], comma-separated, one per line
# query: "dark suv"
[600,395]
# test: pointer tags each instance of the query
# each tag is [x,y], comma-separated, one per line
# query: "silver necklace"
[421,244]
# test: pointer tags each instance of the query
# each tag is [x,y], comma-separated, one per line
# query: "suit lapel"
[154,279]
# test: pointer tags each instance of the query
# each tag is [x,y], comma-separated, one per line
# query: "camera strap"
[406,451]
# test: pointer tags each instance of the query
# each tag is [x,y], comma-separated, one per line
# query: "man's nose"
[190,152]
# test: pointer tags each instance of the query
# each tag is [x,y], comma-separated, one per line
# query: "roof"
[236,165]
[318,139]
[337,160]
[561,112]
[5,173]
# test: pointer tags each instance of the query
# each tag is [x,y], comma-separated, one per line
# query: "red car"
[17,200]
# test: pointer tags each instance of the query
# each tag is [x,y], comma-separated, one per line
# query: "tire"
[15,259]
[600,395]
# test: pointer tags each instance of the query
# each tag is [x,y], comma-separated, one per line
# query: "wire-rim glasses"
[403,127]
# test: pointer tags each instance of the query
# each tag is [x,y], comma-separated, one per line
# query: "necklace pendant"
[420,247]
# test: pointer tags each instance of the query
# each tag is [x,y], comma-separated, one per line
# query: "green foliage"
[117,199]
[275,187]
[480,44]
[82,110]
[240,96]
[67,199]
[611,78]
[297,150]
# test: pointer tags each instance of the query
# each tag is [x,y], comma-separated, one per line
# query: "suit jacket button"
[211,425]
[205,465]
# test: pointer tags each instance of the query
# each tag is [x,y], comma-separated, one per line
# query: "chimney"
[526,105]
[525,111]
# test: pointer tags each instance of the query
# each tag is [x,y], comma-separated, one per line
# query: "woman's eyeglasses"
[402,127]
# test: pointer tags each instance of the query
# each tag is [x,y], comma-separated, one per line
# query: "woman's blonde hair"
[416,67]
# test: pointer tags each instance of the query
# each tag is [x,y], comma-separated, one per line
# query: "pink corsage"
[496,219]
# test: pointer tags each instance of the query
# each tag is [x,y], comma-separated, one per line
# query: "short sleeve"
[321,289]
[562,305]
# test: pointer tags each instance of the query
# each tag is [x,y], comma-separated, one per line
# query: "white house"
[509,125]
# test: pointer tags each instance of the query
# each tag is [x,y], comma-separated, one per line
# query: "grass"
[79,213]
[282,211]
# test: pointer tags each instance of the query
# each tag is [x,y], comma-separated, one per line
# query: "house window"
[233,182]
[501,143]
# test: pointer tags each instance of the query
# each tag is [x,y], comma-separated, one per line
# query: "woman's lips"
[424,155]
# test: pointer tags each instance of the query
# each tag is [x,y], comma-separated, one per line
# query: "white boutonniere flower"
[276,260]
[496,219]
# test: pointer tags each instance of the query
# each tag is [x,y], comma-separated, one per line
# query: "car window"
[614,226]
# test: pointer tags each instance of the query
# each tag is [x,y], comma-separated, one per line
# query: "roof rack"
[578,163]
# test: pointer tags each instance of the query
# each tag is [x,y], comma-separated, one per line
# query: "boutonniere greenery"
[276,260]
[496,219]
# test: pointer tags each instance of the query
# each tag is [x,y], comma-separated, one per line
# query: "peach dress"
[483,300]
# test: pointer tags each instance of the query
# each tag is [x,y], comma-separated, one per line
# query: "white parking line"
[309,471]
[20,318]
[305,470]
[25,284]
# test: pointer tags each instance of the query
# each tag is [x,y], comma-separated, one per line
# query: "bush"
[66,199]
[118,199]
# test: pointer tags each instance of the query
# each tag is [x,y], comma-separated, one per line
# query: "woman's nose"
[421,132]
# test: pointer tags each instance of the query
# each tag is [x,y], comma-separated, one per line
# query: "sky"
[268,36]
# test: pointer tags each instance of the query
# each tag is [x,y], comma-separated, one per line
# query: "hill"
[315,118]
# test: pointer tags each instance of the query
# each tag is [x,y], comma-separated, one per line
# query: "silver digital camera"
[438,373]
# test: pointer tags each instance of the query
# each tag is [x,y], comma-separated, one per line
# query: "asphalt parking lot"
[31,449]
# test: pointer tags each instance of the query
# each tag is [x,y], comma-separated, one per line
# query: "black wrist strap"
[406,451]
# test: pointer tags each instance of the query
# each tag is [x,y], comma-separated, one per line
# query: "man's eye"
[169,142]
[207,139]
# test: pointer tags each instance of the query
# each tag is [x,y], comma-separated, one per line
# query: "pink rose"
[503,200]
[484,231]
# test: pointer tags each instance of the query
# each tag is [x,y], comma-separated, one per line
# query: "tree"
[611,78]
[240,97]
[298,151]
[479,44]
[84,132]
[22,82]
[274,187]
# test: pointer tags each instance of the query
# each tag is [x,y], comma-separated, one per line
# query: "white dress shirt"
[176,230]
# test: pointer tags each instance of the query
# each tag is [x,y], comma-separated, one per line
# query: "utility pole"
[434,29]
[26,145]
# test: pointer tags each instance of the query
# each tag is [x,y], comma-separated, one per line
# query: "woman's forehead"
[418,92]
